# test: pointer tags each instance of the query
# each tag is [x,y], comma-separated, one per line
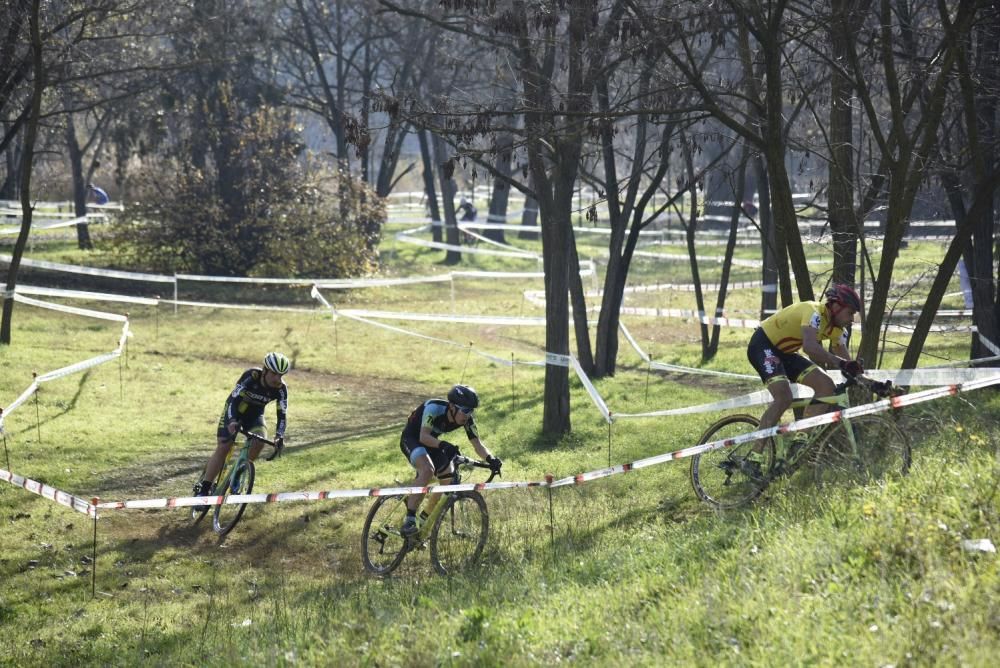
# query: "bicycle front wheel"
[459,534]
[879,450]
[382,545]
[717,475]
[239,482]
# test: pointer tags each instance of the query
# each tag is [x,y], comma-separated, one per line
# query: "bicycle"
[456,528]
[235,479]
[851,450]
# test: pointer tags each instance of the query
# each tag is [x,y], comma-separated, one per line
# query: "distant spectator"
[97,195]
[468,211]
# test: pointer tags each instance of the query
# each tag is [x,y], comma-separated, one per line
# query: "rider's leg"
[781,393]
[444,478]
[425,471]
[257,446]
[822,386]
[218,459]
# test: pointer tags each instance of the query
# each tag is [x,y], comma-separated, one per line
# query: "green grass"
[624,570]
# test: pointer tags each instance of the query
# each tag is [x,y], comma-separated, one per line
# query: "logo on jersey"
[815,321]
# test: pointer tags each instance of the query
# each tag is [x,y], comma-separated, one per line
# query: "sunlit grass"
[628,569]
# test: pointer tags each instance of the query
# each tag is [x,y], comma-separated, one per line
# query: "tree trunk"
[843,224]
[983,199]
[429,188]
[27,157]
[79,183]
[501,187]
[775,271]
[712,348]
[446,177]
[529,220]
[986,307]
[584,353]
[555,211]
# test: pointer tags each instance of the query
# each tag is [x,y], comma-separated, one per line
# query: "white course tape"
[252,280]
[347,283]
[674,367]
[91,271]
[244,307]
[70,309]
[51,493]
[406,237]
[65,371]
[591,390]
[354,316]
[431,317]
[81,294]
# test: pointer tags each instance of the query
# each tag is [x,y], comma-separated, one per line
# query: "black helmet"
[844,295]
[463,395]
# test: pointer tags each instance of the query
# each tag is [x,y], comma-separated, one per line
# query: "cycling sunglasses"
[465,409]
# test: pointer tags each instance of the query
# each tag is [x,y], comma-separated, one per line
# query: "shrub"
[260,210]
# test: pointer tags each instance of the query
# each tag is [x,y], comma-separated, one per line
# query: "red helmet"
[844,295]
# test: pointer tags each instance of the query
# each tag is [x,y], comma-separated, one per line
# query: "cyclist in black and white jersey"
[255,389]
[431,455]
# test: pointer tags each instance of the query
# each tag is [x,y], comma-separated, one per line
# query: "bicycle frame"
[426,523]
[841,398]
[231,464]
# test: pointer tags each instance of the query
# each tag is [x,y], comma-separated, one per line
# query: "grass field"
[626,570]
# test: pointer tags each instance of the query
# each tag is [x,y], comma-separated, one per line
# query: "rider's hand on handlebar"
[851,367]
[495,464]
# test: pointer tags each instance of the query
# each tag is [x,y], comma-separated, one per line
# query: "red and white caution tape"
[51,493]
[799,425]
[278,497]
[579,478]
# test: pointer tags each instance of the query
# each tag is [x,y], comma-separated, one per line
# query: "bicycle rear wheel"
[226,514]
[459,534]
[382,545]
[883,451]
[717,476]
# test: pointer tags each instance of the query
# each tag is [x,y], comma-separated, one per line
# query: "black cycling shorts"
[249,422]
[772,364]
[442,464]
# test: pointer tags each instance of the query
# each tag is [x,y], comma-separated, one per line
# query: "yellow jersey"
[784,328]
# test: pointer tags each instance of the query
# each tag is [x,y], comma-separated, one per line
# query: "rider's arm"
[428,439]
[814,349]
[282,408]
[481,448]
[840,350]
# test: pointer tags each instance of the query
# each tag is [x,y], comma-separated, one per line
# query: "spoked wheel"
[720,477]
[459,534]
[382,545]
[882,451]
[228,514]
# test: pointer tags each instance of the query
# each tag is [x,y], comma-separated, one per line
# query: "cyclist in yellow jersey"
[774,346]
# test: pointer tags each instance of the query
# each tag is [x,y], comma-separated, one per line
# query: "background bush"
[256,209]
